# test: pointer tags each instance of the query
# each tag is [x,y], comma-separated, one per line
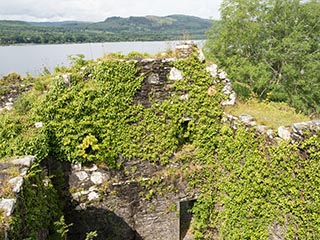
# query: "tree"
[271,48]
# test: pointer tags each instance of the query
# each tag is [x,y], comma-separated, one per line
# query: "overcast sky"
[99,10]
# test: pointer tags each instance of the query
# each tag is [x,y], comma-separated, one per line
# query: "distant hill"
[148,28]
[170,24]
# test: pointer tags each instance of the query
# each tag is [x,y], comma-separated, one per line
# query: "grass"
[270,114]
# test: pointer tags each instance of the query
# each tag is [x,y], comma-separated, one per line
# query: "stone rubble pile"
[296,132]
[13,92]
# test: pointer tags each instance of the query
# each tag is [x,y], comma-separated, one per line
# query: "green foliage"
[91,235]
[249,188]
[271,48]
[137,55]
[37,208]
[96,121]
[62,228]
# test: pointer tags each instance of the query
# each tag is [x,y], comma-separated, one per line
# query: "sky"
[99,10]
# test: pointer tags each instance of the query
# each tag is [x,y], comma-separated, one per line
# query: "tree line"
[151,28]
[270,48]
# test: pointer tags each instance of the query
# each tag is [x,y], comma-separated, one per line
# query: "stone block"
[7,205]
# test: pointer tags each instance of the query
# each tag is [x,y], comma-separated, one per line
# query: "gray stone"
[261,128]
[8,106]
[168,60]
[25,161]
[245,118]
[93,196]
[222,75]
[97,177]
[175,74]
[213,70]
[82,175]
[76,167]
[81,206]
[154,79]
[67,79]
[252,123]
[231,100]
[76,196]
[300,127]
[269,133]
[78,208]
[183,47]
[91,169]
[227,89]
[284,133]
[298,130]
[147,60]
[316,123]
[38,125]
[84,192]
[7,205]
[16,183]
[201,56]
[93,188]
[24,171]
[276,232]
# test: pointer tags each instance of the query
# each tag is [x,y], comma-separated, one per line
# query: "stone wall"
[296,132]
[141,200]
[12,174]
[138,202]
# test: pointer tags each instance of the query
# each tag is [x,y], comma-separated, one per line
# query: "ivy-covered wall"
[29,201]
[134,137]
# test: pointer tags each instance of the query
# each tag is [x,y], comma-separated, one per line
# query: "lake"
[32,59]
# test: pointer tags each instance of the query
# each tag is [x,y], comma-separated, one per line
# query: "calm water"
[32,59]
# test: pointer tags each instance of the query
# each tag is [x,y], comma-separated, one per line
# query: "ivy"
[249,188]
[37,208]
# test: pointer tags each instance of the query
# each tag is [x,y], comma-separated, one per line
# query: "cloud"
[98,10]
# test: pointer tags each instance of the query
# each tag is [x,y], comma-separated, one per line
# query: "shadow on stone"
[185,218]
[106,224]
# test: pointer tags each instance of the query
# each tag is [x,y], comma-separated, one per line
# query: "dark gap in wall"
[185,217]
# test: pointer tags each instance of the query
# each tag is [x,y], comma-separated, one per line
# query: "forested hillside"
[150,28]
